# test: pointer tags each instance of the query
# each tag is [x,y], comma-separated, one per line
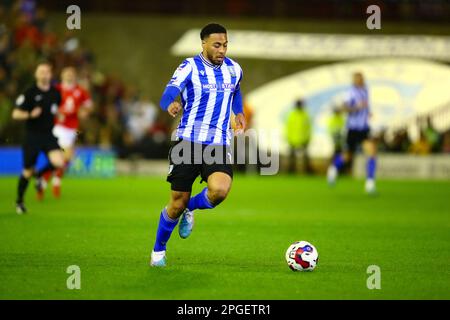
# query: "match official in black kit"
[37,106]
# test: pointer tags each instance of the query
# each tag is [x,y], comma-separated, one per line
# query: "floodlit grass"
[236,251]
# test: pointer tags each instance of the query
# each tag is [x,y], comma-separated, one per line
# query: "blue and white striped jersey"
[358,120]
[207,93]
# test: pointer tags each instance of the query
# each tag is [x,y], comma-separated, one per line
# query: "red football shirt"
[71,101]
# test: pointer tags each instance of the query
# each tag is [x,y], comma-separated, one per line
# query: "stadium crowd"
[123,118]
[429,141]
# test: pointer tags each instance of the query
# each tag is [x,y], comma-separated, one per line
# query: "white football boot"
[370,186]
[158,259]
[332,174]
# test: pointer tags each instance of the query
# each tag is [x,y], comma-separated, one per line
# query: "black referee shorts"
[203,160]
[355,138]
[36,143]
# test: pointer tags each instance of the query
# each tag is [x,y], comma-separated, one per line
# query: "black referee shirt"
[48,101]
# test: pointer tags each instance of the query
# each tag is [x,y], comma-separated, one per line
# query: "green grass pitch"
[236,251]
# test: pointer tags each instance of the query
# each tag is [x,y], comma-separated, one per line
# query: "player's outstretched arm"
[19,114]
[360,106]
[168,102]
[346,108]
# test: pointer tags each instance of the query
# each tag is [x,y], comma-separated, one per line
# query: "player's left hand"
[174,108]
[362,105]
[36,112]
[240,122]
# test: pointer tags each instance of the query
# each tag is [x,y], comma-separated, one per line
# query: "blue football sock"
[338,161]
[165,228]
[371,167]
[200,201]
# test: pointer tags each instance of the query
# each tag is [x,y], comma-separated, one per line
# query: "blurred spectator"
[3,78]
[432,135]
[141,115]
[400,141]
[421,146]
[27,8]
[25,31]
[298,134]
[336,124]
[446,142]
[380,138]
[146,133]
[40,19]
[5,112]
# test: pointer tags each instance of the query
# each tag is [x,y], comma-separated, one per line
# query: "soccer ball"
[302,256]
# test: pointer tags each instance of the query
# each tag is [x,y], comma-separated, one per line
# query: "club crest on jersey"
[182,65]
[54,108]
[202,72]
[178,70]
[232,72]
[20,99]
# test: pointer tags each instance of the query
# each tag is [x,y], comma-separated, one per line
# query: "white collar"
[209,64]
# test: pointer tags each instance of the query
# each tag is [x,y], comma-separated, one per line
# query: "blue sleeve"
[237,102]
[169,96]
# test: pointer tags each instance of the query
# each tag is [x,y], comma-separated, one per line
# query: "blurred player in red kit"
[75,104]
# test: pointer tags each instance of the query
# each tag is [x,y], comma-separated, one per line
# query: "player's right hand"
[36,112]
[174,108]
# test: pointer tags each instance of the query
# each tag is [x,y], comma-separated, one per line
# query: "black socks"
[22,187]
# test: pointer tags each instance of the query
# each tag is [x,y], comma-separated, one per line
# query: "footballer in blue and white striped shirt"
[209,87]
[358,133]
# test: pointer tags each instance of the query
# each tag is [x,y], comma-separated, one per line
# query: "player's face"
[215,47]
[68,76]
[43,74]
[358,79]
